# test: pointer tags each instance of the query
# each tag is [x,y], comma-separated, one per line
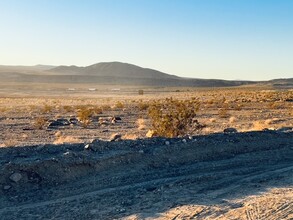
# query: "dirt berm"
[203,177]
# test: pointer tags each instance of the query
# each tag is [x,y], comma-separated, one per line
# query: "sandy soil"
[207,174]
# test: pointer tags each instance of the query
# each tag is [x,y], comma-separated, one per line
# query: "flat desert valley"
[72,151]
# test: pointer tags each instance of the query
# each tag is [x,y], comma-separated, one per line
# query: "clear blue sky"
[228,39]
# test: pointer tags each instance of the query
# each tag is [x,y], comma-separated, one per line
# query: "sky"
[223,39]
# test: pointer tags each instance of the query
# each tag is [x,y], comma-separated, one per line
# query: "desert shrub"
[119,105]
[68,108]
[33,107]
[47,108]
[223,112]
[238,107]
[106,107]
[142,106]
[40,122]
[66,139]
[141,124]
[84,114]
[3,109]
[173,118]
[275,105]
[97,110]
[140,92]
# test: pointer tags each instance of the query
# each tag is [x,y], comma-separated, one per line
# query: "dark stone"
[230,130]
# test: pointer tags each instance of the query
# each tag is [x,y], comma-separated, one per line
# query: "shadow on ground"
[206,176]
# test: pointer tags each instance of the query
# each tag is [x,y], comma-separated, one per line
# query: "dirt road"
[220,176]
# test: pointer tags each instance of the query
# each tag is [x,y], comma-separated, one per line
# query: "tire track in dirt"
[243,178]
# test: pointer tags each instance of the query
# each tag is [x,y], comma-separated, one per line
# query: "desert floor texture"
[84,153]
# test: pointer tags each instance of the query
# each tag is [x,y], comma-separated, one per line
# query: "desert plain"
[88,152]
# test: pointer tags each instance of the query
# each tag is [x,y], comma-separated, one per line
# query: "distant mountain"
[43,67]
[25,69]
[116,73]
[113,69]
[281,82]
[128,74]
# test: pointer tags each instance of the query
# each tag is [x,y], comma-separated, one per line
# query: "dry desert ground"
[83,153]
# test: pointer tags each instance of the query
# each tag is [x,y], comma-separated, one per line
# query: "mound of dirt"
[200,177]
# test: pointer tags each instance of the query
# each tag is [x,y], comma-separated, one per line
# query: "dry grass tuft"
[66,139]
[47,108]
[119,105]
[232,120]
[58,134]
[212,120]
[40,122]
[129,137]
[141,124]
[259,125]
[10,143]
[223,112]
[142,106]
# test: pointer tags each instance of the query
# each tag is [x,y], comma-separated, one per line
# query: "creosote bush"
[173,118]
[142,106]
[40,122]
[84,114]
[47,108]
[119,105]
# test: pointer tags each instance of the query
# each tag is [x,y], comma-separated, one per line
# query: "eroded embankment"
[123,178]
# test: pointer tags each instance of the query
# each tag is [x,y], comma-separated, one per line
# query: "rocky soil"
[219,176]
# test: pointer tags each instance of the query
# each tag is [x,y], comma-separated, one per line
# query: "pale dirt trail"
[220,176]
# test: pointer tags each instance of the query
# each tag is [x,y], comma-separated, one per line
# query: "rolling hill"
[115,73]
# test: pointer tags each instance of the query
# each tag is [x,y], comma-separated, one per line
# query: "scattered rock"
[6,187]
[117,118]
[151,188]
[87,147]
[115,137]
[15,177]
[73,121]
[103,122]
[121,210]
[230,130]
[58,134]
[108,120]
[184,140]
[150,133]
[285,129]
[113,120]
[96,141]
[27,129]
[59,122]
[167,143]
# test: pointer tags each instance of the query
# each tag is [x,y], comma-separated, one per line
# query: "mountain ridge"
[115,69]
[117,73]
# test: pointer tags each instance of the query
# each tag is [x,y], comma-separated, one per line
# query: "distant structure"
[117,89]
